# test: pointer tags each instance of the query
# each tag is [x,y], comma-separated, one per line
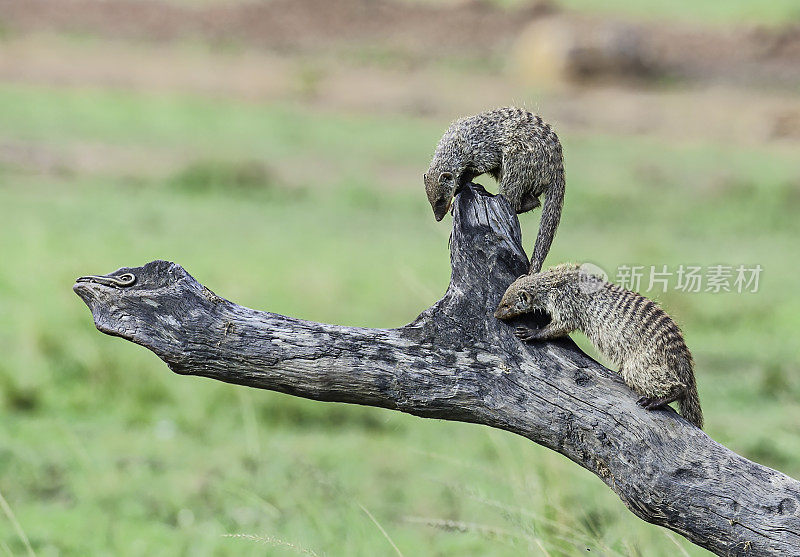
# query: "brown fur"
[627,328]
[519,149]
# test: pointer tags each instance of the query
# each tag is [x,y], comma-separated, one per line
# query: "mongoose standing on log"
[519,150]
[628,329]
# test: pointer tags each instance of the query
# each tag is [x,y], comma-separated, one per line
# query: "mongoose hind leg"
[519,176]
[528,203]
[676,392]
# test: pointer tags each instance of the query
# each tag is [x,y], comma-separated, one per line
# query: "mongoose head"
[523,296]
[537,292]
[440,187]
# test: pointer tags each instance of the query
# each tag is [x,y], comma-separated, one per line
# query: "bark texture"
[457,362]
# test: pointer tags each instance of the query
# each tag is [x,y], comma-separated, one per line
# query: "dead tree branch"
[457,362]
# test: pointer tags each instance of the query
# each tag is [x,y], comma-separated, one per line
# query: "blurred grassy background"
[287,177]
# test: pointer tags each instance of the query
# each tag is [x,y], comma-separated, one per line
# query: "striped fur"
[516,147]
[630,330]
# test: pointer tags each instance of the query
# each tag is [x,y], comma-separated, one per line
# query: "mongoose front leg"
[527,333]
[551,330]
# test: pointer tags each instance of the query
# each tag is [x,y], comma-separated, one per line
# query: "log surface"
[457,362]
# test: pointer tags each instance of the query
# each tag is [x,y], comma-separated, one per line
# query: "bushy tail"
[551,216]
[690,403]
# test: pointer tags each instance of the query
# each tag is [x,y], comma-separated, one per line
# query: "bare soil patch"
[745,56]
[281,24]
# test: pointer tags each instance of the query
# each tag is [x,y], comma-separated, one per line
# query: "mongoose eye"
[445,177]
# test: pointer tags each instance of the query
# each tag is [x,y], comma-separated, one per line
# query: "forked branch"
[457,362]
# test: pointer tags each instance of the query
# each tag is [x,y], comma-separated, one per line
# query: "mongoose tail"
[690,403]
[551,216]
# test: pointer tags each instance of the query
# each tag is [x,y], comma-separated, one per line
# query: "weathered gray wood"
[457,362]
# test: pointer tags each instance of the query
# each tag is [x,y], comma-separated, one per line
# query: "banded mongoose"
[627,328]
[519,150]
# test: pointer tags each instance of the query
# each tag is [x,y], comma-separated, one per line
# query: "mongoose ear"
[445,177]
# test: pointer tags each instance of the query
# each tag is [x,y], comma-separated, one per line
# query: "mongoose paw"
[652,403]
[525,333]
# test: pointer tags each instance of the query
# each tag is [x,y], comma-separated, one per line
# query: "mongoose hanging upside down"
[628,329]
[519,150]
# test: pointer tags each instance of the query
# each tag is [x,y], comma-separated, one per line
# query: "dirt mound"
[563,49]
[571,48]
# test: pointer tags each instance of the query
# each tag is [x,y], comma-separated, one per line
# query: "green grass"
[710,11]
[714,12]
[103,450]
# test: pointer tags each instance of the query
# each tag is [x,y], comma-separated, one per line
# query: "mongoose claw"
[652,403]
[525,333]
